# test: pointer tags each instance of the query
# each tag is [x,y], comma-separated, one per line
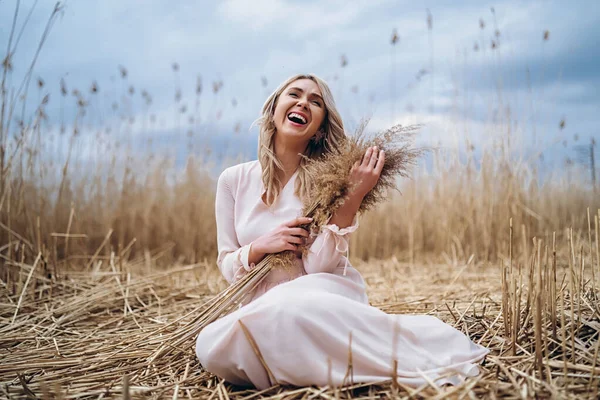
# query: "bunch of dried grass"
[329,189]
[329,177]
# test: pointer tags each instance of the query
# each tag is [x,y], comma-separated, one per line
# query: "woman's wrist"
[344,215]
[255,255]
[356,196]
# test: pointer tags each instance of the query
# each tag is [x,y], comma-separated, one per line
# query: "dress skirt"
[310,330]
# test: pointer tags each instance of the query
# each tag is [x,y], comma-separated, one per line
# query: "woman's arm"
[344,215]
[328,248]
[331,244]
[232,258]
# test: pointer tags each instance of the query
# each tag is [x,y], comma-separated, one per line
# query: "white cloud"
[294,18]
[240,41]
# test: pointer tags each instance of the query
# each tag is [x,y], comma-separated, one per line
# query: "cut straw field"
[94,332]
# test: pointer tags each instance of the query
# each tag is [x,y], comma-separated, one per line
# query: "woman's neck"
[289,156]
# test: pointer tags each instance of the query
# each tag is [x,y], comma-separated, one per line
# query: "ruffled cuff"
[340,238]
[243,257]
[241,262]
[339,235]
[333,228]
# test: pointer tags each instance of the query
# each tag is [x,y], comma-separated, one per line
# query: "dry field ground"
[93,332]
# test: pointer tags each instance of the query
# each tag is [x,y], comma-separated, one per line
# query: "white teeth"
[300,117]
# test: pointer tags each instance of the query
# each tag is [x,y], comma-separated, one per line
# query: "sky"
[477,72]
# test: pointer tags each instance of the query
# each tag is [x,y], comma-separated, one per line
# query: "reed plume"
[330,186]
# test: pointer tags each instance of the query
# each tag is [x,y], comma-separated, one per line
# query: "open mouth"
[296,118]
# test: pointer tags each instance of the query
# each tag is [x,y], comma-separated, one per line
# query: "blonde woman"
[302,319]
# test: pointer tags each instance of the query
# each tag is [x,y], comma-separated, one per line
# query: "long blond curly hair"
[330,140]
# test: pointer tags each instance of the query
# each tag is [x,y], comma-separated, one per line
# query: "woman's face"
[300,110]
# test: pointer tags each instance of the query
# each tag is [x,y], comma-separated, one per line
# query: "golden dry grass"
[454,210]
[93,332]
[105,261]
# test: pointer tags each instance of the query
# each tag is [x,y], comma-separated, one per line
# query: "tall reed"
[90,186]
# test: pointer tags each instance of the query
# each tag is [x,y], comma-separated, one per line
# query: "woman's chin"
[297,134]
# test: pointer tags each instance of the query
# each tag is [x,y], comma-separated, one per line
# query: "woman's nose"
[303,103]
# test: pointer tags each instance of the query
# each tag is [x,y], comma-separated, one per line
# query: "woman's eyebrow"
[302,90]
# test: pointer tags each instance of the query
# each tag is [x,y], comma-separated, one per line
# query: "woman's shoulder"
[244,171]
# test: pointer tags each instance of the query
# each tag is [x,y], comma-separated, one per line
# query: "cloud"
[239,42]
[294,19]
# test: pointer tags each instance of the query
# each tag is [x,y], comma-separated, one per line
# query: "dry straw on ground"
[94,333]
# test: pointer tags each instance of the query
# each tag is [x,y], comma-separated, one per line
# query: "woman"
[307,321]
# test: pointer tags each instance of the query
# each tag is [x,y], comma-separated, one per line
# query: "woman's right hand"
[287,236]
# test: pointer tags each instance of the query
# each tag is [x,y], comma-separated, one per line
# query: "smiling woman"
[300,324]
[300,117]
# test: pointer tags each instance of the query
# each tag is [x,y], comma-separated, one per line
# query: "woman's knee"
[201,349]
[205,343]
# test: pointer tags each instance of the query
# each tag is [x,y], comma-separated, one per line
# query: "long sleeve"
[329,247]
[233,258]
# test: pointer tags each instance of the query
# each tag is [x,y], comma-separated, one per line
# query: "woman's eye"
[316,103]
[293,95]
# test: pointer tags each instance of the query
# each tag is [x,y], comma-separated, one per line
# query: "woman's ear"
[319,135]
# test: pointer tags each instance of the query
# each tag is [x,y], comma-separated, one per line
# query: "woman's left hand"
[365,174]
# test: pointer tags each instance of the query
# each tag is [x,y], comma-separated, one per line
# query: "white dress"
[307,321]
